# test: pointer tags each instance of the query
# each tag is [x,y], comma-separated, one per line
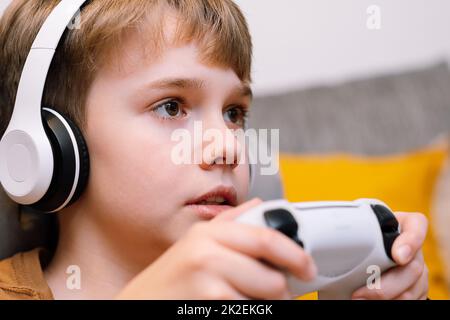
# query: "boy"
[144,227]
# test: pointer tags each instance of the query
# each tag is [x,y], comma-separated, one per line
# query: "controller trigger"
[283,221]
[389,226]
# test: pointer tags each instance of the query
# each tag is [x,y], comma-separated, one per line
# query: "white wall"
[3,5]
[307,42]
[302,43]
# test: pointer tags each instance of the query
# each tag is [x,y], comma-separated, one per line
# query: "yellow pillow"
[404,181]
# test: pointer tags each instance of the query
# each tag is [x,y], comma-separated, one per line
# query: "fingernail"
[359,298]
[404,253]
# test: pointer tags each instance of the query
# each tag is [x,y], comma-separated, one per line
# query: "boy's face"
[135,188]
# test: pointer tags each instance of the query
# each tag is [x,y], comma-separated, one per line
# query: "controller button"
[283,221]
[386,218]
[389,227]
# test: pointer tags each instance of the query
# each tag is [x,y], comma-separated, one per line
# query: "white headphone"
[44,161]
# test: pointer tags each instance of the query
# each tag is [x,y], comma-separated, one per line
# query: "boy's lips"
[210,204]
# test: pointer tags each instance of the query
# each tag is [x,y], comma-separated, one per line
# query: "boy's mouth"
[210,204]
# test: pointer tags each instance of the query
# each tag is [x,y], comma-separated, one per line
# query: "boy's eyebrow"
[193,83]
[179,83]
[246,91]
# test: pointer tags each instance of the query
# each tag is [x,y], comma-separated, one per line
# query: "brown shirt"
[22,277]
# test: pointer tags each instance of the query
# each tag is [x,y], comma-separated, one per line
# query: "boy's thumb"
[232,214]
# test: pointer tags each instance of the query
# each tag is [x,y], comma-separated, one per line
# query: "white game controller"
[348,240]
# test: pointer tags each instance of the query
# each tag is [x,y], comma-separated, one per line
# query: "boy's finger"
[394,282]
[413,232]
[266,244]
[232,214]
[251,272]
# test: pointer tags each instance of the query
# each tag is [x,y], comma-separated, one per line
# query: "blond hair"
[217,26]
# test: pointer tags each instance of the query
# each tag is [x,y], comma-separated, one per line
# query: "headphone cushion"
[66,186]
[84,161]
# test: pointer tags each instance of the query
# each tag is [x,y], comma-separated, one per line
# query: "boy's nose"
[220,149]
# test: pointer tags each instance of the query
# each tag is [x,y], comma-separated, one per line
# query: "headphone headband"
[27,106]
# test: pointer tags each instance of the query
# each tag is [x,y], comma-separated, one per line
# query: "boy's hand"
[223,259]
[409,280]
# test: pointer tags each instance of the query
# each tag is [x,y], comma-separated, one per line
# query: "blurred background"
[360,91]
[300,43]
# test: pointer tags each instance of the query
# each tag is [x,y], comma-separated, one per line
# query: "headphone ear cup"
[71,162]
[83,153]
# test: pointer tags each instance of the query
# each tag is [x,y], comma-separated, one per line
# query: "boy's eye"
[236,115]
[169,109]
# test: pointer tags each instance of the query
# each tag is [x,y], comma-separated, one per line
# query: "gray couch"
[380,115]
